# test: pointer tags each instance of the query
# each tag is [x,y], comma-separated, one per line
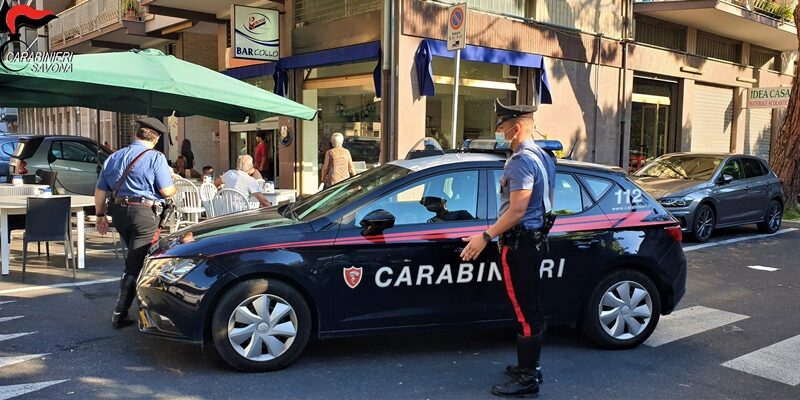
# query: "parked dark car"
[709,191]
[379,253]
[73,157]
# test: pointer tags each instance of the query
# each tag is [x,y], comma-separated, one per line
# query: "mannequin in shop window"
[338,164]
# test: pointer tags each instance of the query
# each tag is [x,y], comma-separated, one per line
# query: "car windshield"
[681,167]
[344,193]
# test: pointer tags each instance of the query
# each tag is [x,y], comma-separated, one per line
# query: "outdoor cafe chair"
[48,220]
[228,201]
[207,193]
[48,178]
[187,203]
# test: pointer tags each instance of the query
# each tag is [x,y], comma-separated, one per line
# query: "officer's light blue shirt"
[150,174]
[521,172]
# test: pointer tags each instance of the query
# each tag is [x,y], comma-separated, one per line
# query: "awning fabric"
[429,48]
[342,55]
[324,58]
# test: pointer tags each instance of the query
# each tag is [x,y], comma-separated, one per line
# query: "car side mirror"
[725,179]
[376,222]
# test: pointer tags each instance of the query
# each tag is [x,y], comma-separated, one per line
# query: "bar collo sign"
[256,33]
[772,97]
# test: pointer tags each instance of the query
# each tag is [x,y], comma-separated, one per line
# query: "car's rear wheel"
[261,325]
[623,310]
[772,219]
[703,224]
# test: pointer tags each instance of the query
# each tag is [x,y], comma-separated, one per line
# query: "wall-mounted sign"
[774,97]
[256,33]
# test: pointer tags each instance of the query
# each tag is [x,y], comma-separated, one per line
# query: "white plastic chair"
[207,193]
[229,201]
[187,202]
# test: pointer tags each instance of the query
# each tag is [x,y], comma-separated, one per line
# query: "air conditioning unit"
[511,72]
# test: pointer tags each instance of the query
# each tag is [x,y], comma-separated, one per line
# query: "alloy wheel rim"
[625,310]
[704,223]
[262,327]
[775,214]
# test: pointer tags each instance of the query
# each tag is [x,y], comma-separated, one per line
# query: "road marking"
[763,268]
[14,335]
[735,240]
[777,362]
[690,321]
[6,361]
[4,319]
[58,285]
[7,392]
[7,302]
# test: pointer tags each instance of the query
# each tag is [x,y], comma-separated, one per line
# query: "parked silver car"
[709,191]
[73,157]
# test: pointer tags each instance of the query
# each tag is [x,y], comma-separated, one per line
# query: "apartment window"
[713,46]
[764,58]
[660,33]
[508,7]
[308,12]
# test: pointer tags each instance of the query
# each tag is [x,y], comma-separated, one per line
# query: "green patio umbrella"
[143,82]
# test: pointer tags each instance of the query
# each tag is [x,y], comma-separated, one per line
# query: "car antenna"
[572,148]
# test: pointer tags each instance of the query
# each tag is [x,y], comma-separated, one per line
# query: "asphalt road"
[735,315]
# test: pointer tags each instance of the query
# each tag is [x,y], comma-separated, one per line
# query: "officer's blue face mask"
[500,138]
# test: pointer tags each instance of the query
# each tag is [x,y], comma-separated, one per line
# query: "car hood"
[659,187]
[230,233]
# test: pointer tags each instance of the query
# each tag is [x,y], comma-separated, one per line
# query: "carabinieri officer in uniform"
[524,220]
[134,183]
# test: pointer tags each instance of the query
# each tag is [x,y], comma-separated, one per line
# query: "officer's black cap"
[152,123]
[505,113]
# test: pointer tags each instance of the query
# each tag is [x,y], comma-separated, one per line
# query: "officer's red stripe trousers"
[526,328]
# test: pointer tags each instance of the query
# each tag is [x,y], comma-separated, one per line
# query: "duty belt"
[134,201]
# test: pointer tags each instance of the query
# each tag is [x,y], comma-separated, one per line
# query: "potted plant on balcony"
[130,8]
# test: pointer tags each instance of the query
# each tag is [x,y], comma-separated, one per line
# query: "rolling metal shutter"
[758,132]
[712,118]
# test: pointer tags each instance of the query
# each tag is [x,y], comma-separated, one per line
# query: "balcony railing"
[778,9]
[83,19]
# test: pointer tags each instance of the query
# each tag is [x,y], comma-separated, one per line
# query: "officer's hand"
[102,225]
[474,247]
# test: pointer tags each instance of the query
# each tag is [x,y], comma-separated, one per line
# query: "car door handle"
[585,243]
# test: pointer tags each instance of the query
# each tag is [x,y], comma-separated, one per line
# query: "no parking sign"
[456,27]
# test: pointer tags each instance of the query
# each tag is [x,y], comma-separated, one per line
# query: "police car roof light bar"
[490,145]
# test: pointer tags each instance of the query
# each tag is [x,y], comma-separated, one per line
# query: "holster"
[519,237]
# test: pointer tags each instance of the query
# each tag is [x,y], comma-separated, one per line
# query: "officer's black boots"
[127,291]
[526,382]
[514,370]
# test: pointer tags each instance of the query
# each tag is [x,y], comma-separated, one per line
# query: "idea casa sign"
[774,97]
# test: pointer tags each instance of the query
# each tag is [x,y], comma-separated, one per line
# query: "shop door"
[758,132]
[712,118]
[649,129]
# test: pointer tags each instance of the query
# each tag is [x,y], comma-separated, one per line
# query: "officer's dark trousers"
[137,227]
[521,277]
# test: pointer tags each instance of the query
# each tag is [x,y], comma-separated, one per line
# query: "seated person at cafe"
[240,180]
[438,206]
[208,171]
[180,169]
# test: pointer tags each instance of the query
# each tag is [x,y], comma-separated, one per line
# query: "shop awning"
[341,55]
[438,48]
[251,71]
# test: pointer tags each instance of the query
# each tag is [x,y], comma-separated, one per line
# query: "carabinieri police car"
[379,253]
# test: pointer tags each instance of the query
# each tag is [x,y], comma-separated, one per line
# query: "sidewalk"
[100,265]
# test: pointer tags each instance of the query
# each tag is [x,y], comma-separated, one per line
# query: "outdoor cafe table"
[17,205]
[276,197]
[7,189]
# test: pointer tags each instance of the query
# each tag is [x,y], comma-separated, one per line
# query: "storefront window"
[480,84]
[345,96]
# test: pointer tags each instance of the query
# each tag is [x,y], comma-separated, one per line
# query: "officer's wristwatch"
[99,215]
[486,237]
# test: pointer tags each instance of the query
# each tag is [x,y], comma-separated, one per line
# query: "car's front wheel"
[261,325]
[623,310]
[772,219]
[703,224]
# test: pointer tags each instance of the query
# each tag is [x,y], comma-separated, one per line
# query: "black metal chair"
[48,178]
[48,220]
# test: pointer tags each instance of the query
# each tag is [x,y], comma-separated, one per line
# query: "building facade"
[627,80]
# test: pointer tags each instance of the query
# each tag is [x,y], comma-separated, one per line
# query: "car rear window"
[752,168]
[7,149]
[26,148]
[597,186]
